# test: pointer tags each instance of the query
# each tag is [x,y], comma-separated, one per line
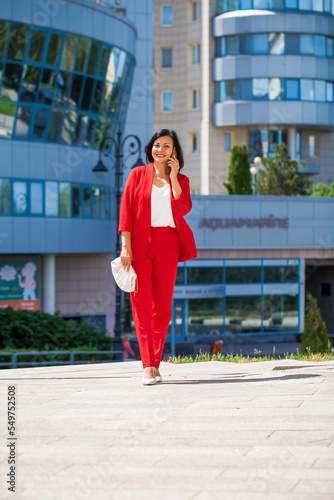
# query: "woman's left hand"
[173,163]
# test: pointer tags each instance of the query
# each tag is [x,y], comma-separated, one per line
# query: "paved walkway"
[214,430]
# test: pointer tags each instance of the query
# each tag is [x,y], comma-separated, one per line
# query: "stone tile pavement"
[212,430]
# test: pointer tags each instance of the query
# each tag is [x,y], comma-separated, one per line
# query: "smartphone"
[174,152]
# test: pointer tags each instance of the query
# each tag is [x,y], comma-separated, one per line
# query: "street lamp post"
[107,145]
[254,170]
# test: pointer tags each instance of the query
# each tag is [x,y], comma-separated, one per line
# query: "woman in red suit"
[155,237]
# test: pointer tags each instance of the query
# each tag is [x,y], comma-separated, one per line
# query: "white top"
[161,208]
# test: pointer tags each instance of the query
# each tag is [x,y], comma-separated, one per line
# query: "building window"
[5,197]
[263,142]
[195,99]
[167,102]
[261,43]
[274,44]
[167,15]
[194,143]
[313,146]
[325,289]
[195,54]
[227,142]
[223,6]
[291,89]
[194,11]
[167,58]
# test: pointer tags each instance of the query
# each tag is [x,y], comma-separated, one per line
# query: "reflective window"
[260,4]
[20,203]
[291,44]
[232,48]
[11,82]
[69,52]
[260,44]
[17,42]
[320,45]
[227,142]
[231,90]
[276,43]
[199,275]
[24,114]
[51,199]
[94,58]
[242,314]
[243,274]
[276,89]
[245,90]
[318,5]
[320,90]
[313,146]
[280,312]
[54,49]
[167,58]
[292,89]
[3,37]
[167,15]
[306,44]
[305,4]
[287,274]
[167,102]
[77,200]
[195,54]
[87,196]
[245,45]
[7,115]
[36,45]
[307,90]
[65,199]
[329,47]
[5,197]
[84,48]
[329,92]
[260,88]
[205,316]
[194,143]
[36,198]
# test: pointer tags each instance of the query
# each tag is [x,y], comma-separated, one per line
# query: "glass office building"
[67,74]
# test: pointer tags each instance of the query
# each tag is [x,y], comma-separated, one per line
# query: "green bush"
[239,180]
[323,190]
[314,337]
[42,331]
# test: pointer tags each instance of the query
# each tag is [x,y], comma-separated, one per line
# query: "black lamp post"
[107,145]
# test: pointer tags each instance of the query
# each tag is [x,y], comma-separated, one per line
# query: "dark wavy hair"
[160,133]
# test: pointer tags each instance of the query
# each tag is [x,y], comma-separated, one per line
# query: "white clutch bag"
[126,280]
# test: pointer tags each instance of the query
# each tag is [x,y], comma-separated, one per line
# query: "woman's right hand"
[126,257]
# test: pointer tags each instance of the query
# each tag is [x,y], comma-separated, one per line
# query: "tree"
[281,176]
[239,177]
[323,190]
[314,336]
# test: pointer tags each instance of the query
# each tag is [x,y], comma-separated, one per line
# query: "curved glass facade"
[59,87]
[274,89]
[275,44]
[320,6]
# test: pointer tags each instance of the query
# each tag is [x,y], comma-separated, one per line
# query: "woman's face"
[162,149]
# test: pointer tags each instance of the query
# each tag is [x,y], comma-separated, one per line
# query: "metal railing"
[14,363]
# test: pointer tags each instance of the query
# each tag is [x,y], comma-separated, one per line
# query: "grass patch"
[239,358]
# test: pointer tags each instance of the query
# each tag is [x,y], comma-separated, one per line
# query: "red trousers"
[152,304]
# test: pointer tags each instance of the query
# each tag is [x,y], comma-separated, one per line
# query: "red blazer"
[135,213]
